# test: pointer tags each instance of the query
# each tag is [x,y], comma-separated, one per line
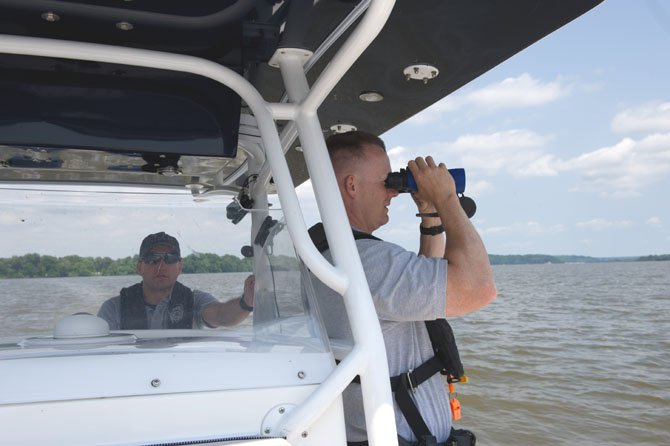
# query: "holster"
[461,437]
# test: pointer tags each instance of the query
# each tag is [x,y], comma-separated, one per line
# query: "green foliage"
[284,263]
[654,258]
[212,263]
[523,259]
[526,259]
[35,265]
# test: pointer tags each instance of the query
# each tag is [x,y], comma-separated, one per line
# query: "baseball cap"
[159,238]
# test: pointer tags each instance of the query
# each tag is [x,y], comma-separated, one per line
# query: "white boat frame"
[315,411]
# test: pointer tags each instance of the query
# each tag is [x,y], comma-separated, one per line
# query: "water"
[33,306]
[567,354]
[570,354]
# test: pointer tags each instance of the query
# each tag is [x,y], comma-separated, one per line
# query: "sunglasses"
[153,258]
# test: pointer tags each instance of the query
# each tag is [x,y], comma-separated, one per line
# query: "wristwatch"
[433,230]
[245,306]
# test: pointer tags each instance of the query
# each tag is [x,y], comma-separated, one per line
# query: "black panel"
[78,104]
[207,28]
[61,103]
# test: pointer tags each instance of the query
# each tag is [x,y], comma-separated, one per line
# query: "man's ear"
[137,268]
[351,185]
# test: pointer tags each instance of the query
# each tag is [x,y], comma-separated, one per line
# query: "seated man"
[159,301]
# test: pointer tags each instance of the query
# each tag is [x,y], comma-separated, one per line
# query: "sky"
[566,146]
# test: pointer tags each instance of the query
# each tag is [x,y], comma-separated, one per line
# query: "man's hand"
[248,295]
[434,183]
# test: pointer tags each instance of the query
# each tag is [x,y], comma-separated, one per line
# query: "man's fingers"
[420,162]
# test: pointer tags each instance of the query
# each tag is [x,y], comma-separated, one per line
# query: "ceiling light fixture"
[423,72]
[342,128]
[371,96]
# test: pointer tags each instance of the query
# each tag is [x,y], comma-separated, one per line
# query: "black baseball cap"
[159,238]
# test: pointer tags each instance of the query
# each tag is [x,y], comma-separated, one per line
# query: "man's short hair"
[159,238]
[346,148]
[352,140]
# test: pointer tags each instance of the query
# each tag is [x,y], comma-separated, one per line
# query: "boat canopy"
[167,121]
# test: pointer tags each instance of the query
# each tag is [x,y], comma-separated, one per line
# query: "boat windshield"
[66,250]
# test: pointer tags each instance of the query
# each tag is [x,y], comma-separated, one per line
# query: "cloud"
[600,224]
[523,91]
[310,209]
[495,230]
[528,228]
[649,117]
[517,92]
[623,169]
[654,221]
[478,188]
[618,171]
[515,152]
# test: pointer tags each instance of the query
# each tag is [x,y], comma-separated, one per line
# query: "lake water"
[573,354]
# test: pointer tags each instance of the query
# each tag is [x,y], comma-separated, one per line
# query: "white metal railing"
[347,277]
[36,46]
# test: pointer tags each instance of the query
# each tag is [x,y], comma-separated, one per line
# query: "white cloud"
[623,169]
[516,152]
[525,228]
[400,155]
[307,200]
[477,188]
[654,221]
[557,228]
[601,223]
[305,190]
[495,230]
[434,113]
[515,92]
[649,117]
[534,227]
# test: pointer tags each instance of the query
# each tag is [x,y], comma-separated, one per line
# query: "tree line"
[528,259]
[36,265]
[655,258]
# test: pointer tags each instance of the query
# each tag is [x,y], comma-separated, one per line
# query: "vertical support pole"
[377,400]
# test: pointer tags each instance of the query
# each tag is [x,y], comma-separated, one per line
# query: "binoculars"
[403,181]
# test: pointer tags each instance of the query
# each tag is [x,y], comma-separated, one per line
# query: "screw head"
[124,26]
[50,16]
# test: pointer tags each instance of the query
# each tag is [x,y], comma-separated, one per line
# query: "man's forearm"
[470,283]
[228,313]
[431,245]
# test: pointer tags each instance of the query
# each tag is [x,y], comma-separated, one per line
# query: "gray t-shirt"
[407,290]
[158,315]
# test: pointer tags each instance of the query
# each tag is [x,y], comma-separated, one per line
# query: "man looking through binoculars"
[449,277]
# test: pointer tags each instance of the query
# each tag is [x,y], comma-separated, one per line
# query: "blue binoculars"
[403,181]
